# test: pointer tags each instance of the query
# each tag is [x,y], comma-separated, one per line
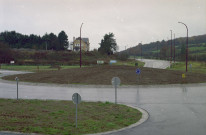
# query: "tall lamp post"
[174,47]
[157,51]
[80,62]
[171,49]
[187,44]
[141,50]
[168,53]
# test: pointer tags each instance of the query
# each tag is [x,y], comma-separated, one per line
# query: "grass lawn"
[130,62]
[58,117]
[197,67]
[34,68]
[31,68]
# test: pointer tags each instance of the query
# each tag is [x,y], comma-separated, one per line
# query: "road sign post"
[115,94]
[190,67]
[116,82]
[138,71]
[76,98]
[17,87]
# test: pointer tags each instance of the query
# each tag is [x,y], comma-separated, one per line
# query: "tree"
[108,45]
[63,41]
[53,41]
[45,39]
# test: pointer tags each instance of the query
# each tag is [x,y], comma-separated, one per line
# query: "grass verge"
[195,67]
[31,68]
[130,62]
[58,117]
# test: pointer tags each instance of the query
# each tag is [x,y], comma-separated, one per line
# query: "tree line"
[45,42]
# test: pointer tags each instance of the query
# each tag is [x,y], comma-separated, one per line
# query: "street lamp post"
[174,47]
[168,53]
[171,49]
[141,50]
[187,44]
[157,51]
[80,62]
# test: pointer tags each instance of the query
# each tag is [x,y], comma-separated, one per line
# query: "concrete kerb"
[145,116]
[102,86]
[16,133]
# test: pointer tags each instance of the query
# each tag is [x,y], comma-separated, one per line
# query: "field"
[58,117]
[102,75]
[196,67]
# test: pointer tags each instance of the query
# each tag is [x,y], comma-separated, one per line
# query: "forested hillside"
[162,49]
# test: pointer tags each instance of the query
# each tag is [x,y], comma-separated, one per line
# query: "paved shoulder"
[11,72]
[161,64]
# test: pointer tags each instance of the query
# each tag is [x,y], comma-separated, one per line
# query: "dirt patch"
[103,74]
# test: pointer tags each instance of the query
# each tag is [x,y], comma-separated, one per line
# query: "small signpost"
[191,67]
[76,98]
[112,62]
[100,62]
[183,76]
[12,62]
[138,71]
[116,82]
[17,87]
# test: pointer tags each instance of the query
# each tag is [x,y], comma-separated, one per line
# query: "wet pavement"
[161,64]
[173,109]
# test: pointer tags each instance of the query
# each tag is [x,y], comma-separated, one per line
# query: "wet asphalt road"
[161,64]
[173,109]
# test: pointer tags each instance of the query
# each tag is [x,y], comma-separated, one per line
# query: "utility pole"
[157,50]
[171,49]
[141,50]
[168,55]
[174,47]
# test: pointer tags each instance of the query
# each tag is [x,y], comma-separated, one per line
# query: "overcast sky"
[131,21]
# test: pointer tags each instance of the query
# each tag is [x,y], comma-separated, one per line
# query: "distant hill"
[161,50]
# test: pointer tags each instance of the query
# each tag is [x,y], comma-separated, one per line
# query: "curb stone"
[103,86]
[16,133]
